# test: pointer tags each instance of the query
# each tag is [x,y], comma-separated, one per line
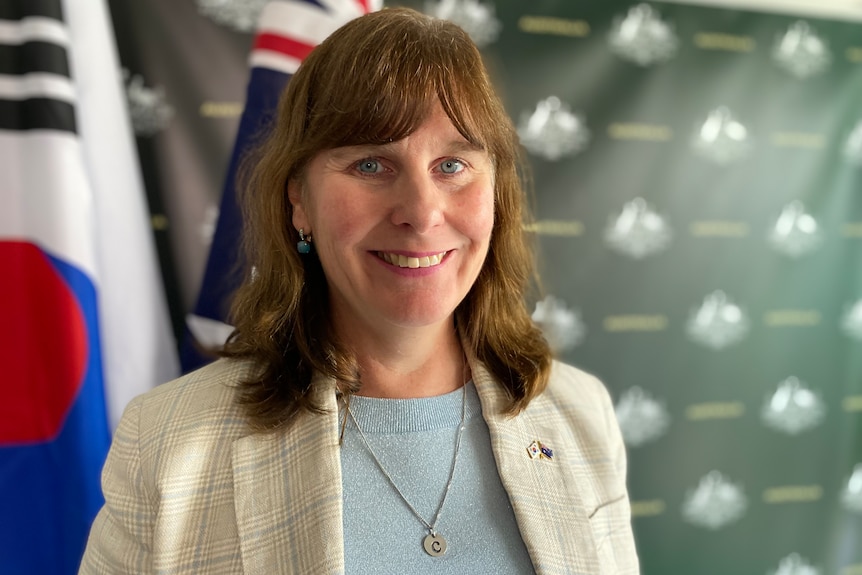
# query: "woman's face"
[401,229]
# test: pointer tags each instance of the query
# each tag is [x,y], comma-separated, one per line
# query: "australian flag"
[287,31]
[73,229]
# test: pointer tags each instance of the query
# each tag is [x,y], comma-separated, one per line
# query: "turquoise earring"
[303,246]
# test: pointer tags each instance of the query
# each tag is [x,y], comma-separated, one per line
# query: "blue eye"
[451,166]
[369,166]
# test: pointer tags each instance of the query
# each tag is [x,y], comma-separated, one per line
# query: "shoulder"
[169,464]
[573,388]
[197,405]
[199,393]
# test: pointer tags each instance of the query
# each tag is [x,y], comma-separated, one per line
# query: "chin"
[420,318]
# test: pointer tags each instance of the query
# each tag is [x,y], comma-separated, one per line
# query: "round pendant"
[434,544]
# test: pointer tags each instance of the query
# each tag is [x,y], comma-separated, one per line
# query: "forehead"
[435,133]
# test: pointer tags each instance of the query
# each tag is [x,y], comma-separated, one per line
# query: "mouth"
[412,262]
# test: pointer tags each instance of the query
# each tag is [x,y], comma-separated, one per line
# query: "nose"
[419,202]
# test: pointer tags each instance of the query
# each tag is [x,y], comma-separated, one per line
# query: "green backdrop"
[697,176]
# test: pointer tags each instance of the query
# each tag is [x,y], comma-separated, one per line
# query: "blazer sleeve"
[121,536]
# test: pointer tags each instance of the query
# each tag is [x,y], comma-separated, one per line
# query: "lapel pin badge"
[538,450]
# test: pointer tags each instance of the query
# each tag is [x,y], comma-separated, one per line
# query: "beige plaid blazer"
[189,490]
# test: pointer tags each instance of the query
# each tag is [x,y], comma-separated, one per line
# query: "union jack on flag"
[287,31]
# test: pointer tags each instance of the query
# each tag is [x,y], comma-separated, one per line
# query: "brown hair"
[373,81]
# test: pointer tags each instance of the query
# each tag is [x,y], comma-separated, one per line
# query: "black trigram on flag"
[36,91]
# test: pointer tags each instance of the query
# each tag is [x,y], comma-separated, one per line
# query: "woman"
[385,404]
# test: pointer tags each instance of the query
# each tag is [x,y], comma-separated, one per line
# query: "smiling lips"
[410,262]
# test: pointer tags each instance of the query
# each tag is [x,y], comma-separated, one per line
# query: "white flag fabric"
[139,349]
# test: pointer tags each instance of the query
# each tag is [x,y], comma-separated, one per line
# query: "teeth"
[413,263]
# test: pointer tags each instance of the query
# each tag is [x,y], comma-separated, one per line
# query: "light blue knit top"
[415,440]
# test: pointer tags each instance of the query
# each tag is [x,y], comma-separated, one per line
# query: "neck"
[410,364]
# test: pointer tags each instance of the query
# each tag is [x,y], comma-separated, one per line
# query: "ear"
[294,194]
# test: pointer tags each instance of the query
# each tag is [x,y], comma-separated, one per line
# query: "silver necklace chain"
[434,543]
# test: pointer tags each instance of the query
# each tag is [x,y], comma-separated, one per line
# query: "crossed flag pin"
[537,450]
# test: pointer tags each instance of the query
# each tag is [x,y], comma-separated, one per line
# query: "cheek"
[481,215]
[329,215]
[342,221]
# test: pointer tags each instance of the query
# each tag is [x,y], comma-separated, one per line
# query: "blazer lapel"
[545,493]
[288,497]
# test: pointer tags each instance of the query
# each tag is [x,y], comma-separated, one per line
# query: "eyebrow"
[461,146]
[453,147]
